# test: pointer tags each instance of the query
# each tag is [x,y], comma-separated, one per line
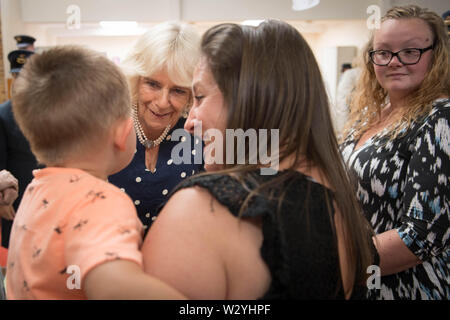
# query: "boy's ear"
[123,129]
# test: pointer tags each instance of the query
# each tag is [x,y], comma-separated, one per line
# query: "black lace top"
[299,245]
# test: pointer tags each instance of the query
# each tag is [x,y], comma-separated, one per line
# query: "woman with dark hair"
[234,233]
[397,145]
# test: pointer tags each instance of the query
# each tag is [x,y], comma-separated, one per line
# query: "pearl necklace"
[141,135]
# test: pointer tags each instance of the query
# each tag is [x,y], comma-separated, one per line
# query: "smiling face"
[209,107]
[398,79]
[160,103]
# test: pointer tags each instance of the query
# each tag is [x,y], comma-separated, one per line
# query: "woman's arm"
[394,254]
[197,246]
[425,223]
[122,279]
[182,246]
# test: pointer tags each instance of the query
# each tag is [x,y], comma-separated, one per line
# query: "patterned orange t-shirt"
[68,222]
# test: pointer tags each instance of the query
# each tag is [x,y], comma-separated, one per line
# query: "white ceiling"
[331,23]
[52,15]
[50,11]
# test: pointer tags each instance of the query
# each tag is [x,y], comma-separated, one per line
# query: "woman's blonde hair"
[170,46]
[369,97]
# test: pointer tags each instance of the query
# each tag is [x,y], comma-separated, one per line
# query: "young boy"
[75,236]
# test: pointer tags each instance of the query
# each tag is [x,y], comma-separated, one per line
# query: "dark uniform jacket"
[16,157]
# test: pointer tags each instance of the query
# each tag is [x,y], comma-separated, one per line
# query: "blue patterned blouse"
[149,190]
[403,184]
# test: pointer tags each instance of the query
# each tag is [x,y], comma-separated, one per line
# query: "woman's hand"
[7,212]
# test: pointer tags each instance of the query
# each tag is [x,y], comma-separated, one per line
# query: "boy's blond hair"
[66,99]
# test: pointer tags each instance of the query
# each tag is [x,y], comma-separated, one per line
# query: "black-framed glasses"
[406,56]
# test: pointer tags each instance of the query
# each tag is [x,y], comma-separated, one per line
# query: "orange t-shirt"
[68,222]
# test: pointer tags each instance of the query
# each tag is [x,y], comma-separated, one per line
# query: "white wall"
[201,10]
[338,34]
[54,11]
[322,26]
[50,11]
[12,24]
[115,48]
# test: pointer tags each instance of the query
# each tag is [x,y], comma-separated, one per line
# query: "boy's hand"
[123,280]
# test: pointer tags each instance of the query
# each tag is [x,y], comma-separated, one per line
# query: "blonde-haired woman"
[397,145]
[234,233]
[159,69]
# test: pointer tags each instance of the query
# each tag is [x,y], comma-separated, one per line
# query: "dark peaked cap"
[17,59]
[24,41]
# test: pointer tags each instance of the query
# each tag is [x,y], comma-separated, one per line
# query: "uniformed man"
[15,152]
[17,59]
[25,42]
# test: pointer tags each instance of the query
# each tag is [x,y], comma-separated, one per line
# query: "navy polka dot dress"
[149,190]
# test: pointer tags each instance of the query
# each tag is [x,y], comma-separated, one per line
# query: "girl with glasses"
[397,146]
